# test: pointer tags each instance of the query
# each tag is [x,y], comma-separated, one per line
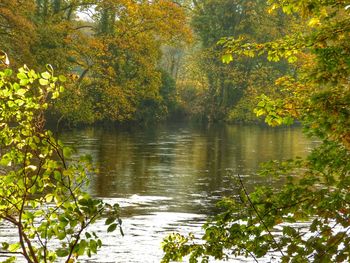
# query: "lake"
[168,178]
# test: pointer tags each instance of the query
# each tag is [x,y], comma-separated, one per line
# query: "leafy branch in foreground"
[307,218]
[41,185]
[270,220]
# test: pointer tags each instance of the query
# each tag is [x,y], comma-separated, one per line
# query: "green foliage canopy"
[229,88]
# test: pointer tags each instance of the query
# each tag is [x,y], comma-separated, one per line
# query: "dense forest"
[120,61]
[145,60]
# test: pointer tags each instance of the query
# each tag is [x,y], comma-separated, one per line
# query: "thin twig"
[257,213]
[252,255]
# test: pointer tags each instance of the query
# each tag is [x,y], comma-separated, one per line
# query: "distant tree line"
[144,61]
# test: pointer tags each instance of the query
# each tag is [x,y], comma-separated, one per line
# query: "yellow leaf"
[315,21]
[227,58]
[272,8]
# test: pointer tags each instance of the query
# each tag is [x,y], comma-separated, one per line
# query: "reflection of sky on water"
[169,178]
[179,161]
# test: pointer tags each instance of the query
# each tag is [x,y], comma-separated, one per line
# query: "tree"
[17,30]
[316,190]
[117,65]
[41,185]
[113,59]
[227,85]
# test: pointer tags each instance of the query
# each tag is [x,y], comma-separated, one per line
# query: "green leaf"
[55,95]
[10,260]
[57,175]
[261,104]
[14,247]
[99,242]
[46,75]
[43,82]
[93,246]
[81,247]
[61,252]
[5,245]
[19,102]
[62,78]
[110,220]
[67,152]
[61,235]
[8,72]
[49,198]
[22,75]
[111,228]
[24,82]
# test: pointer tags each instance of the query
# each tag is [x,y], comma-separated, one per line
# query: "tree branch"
[258,214]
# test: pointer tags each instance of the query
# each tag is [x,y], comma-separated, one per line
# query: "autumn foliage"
[112,56]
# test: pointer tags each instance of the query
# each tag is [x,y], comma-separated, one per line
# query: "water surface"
[168,178]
